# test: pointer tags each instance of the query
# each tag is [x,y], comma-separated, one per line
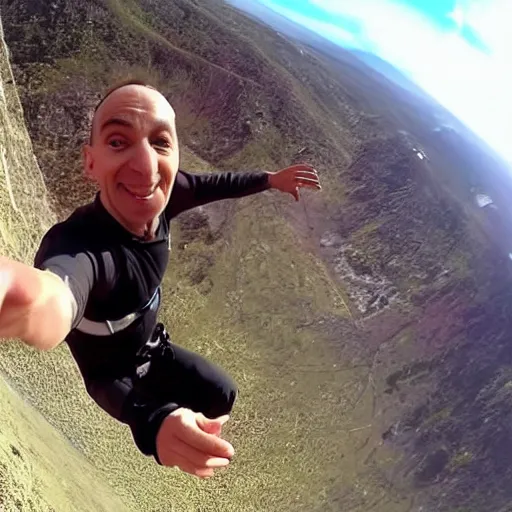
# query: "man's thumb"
[212,426]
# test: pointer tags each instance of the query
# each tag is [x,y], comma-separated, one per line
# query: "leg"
[201,385]
[175,378]
[112,395]
[187,379]
[121,400]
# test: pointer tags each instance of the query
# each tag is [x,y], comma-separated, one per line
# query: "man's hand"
[291,179]
[191,442]
[35,306]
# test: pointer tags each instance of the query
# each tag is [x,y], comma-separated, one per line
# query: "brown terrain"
[417,279]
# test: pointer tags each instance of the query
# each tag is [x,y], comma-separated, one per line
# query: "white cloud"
[457,15]
[491,19]
[475,85]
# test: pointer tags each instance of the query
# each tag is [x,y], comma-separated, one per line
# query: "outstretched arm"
[41,305]
[35,305]
[192,190]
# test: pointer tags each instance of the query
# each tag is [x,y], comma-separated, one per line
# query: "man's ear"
[88,162]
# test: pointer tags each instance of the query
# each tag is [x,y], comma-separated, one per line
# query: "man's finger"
[199,459]
[212,426]
[185,465]
[223,419]
[309,183]
[306,175]
[308,180]
[308,171]
[302,167]
[207,443]
[206,423]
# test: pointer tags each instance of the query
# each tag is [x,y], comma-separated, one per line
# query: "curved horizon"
[455,50]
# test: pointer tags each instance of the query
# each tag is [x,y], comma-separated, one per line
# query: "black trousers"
[164,378]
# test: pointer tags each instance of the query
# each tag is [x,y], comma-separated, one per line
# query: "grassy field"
[40,471]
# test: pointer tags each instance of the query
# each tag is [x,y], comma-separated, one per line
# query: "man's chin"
[143,214]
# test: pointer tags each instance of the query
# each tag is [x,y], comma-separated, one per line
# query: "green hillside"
[256,293]
[366,326]
[39,468]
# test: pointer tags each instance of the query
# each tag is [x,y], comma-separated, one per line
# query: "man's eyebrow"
[115,121]
[163,125]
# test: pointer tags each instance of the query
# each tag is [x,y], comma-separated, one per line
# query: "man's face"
[133,155]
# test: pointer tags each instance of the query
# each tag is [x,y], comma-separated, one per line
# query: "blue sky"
[460,51]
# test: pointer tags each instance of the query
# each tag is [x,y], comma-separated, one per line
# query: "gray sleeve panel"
[79,272]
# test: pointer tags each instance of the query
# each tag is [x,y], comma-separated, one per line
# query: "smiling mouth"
[142,195]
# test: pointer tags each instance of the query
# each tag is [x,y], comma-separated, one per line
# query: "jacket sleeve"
[192,190]
[77,270]
[119,399]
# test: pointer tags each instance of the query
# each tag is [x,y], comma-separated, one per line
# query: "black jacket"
[112,272]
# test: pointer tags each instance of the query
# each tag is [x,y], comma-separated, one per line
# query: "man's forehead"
[134,101]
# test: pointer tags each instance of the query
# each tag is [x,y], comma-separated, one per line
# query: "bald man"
[97,277]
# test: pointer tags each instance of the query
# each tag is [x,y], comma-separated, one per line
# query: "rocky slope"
[38,467]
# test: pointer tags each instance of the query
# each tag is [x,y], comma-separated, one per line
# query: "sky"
[459,51]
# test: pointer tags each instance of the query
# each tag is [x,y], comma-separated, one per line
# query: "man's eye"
[161,142]
[116,143]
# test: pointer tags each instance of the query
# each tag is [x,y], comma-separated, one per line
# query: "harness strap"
[109,327]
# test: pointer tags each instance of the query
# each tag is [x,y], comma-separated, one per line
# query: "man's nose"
[144,160]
